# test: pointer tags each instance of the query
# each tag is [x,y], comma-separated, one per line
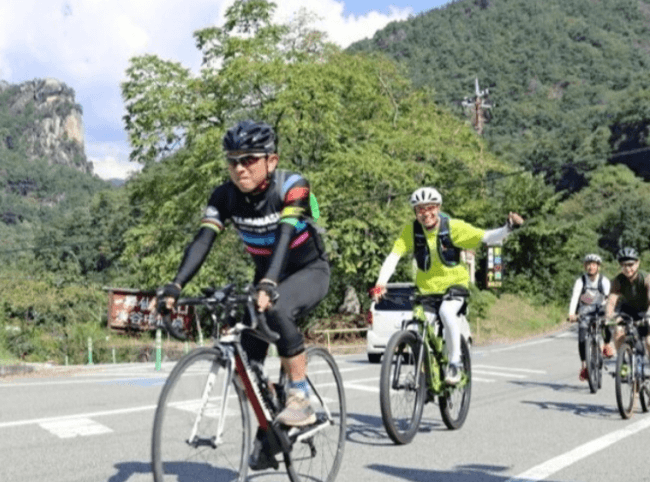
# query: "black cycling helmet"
[249,137]
[627,253]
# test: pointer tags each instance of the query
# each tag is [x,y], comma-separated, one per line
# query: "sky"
[87,45]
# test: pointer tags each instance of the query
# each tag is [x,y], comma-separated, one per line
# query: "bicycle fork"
[215,441]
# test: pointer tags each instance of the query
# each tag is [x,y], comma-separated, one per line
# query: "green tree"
[353,124]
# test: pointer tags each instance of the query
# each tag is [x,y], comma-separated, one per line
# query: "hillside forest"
[563,142]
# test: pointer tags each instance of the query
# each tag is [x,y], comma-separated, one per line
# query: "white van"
[386,316]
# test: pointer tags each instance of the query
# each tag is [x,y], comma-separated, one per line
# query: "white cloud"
[111,160]
[342,30]
[88,43]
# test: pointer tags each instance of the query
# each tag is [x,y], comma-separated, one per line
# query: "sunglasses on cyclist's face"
[245,161]
[426,208]
[627,264]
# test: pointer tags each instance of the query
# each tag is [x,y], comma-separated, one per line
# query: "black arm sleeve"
[195,254]
[280,252]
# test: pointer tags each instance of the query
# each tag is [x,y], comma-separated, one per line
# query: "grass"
[508,318]
[512,318]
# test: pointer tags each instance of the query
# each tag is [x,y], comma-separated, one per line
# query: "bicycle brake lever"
[171,329]
[263,328]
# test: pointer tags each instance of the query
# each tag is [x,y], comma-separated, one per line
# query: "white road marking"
[75,427]
[518,346]
[554,465]
[482,380]
[499,374]
[523,370]
[19,423]
[363,388]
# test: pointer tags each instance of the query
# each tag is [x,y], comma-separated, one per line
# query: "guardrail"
[338,330]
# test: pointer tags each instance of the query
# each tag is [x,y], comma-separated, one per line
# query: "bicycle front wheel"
[318,449]
[401,387]
[454,404]
[593,363]
[625,381]
[189,442]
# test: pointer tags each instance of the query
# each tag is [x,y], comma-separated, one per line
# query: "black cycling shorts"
[299,293]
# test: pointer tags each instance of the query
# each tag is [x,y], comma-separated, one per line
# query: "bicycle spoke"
[201,432]
[402,387]
[318,449]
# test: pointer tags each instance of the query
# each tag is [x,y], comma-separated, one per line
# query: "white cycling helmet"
[425,195]
[593,258]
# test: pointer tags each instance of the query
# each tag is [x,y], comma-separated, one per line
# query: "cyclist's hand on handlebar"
[166,297]
[267,294]
[377,292]
[572,318]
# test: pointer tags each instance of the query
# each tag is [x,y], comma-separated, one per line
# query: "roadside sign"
[494,267]
[128,310]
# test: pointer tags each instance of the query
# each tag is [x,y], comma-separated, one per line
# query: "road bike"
[631,361]
[202,426]
[593,349]
[413,373]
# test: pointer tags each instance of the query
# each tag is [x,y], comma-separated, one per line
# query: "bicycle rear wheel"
[318,449]
[625,381]
[454,404]
[401,388]
[191,403]
[593,363]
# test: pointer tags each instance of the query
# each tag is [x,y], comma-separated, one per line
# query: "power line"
[628,153]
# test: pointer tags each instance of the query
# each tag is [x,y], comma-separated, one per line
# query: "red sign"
[128,309]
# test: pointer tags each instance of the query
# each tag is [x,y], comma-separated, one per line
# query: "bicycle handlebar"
[223,297]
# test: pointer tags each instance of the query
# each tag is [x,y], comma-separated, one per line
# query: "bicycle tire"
[318,457]
[625,381]
[593,367]
[401,389]
[173,458]
[454,404]
[644,396]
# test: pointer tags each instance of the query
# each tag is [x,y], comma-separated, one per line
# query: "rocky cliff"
[52,126]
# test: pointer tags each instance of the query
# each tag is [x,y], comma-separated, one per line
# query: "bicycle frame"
[432,352]
[233,360]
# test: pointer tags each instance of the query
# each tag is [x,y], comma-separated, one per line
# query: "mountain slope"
[567,79]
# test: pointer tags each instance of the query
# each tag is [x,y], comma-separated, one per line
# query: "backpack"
[447,252]
[601,289]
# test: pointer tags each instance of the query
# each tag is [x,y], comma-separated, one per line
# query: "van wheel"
[374,357]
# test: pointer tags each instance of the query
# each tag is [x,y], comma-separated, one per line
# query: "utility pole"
[477,106]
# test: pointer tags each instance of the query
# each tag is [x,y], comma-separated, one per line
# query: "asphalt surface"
[530,419]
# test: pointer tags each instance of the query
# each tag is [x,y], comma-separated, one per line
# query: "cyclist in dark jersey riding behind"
[273,212]
[631,292]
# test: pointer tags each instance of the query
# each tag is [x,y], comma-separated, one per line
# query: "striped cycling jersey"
[257,217]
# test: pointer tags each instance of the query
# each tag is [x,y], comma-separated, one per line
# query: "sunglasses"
[429,208]
[628,264]
[247,161]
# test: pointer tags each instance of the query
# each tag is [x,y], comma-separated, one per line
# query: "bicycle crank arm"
[312,430]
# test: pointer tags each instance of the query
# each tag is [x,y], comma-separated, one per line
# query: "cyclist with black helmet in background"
[630,293]
[273,212]
[590,292]
[435,240]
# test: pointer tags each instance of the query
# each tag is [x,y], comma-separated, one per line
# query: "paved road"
[530,419]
